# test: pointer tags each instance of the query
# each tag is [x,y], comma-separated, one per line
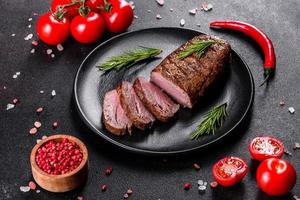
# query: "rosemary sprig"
[129,58]
[197,47]
[213,120]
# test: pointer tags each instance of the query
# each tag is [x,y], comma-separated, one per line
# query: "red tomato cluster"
[85,20]
[274,176]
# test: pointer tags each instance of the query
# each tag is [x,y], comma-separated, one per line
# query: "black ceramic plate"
[235,87]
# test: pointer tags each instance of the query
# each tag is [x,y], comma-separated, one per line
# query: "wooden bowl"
[63,182]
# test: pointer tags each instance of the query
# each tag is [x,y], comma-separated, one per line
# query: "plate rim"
[144,151]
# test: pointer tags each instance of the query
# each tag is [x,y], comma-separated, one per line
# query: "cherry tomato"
[51,30]
[262,148]
[276,177]
[95,5]
[72,11]
[87,29]
[229,171]
[118,15]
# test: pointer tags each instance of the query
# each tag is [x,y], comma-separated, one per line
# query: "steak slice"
[185,80]
[114,117]
[134,108]
[157,102]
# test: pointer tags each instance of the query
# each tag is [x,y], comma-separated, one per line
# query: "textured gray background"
[150,178]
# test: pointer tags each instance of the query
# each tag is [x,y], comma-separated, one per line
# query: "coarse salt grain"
[287,152]
[28,37]
[206,7]
[42,92]
[44,137]
[29,26]
[198,25]
[32,51]
[49,51]
[126,196]
[135,17]
[52,55]
[296,197]
[10,106]
[13,35]
[55,124]
[291,110]
[200,182]
[15,76]
[35,14]
[53,93]
[30,19]
[59,47]
[202,187]
[15,101]
[149,11]
[131,3]
[296,146]
[160,2]
[158,16]
[25,188]
[38,191]
[193,11]
[171,9]
[182,22]
[18,73]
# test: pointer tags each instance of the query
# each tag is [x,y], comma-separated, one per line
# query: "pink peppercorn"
[187,186]
[32,185]
[213,184]
[33,131]
[196,166]
[39,109]
[108,171]
[55,124]
[59,157]
[15,101]
[103,188]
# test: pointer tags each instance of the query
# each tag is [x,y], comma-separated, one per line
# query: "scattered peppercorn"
[103,188]
[126,196]
[196,166]
[55,124]
[213,184]
[129,191]
[39,109]
[15,101]
[32,185]
[187,186]
[37,124]
[108,171]
[33,131]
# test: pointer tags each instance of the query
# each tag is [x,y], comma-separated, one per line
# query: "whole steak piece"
[155,100]
[133,107]
[186,80]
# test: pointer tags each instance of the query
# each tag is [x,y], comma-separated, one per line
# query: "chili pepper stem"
[268,72]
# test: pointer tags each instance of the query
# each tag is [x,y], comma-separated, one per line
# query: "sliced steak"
[114,117]
[134,108]
[187,79]
[157,102]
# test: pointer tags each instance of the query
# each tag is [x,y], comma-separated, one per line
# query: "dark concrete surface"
[150,177]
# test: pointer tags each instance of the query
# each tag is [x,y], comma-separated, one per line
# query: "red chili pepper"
[259,36]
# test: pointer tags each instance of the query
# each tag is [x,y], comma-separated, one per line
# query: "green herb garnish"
[197,47]
[129,58]
[212,121]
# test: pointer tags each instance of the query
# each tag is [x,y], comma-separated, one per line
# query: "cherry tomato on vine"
[71,10]
[52,30]
[276,177]
[229,171]
[118,15]
[262,148]
[87,29]
[95,5]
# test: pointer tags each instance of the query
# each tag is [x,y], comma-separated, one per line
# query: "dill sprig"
[129,58]
[212,121]
[197,47]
